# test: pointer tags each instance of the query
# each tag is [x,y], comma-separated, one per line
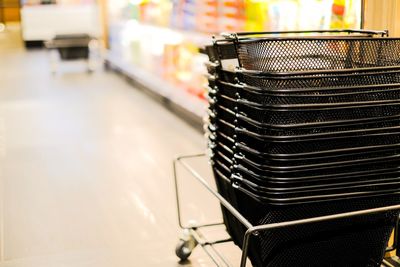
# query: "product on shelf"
[232,15]
[256,15]
[344,13]
[57,2]
[207,16]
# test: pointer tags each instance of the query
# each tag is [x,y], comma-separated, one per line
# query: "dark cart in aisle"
[71,47]
[192,236]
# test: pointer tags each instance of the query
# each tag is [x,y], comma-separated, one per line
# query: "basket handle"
[314,72]
[349,31]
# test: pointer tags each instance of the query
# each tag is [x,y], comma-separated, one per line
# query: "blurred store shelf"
[182,98]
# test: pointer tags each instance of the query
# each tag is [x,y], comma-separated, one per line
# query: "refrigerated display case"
[159,41]
[42,20]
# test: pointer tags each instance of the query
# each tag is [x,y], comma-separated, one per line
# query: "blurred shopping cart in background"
[71,47]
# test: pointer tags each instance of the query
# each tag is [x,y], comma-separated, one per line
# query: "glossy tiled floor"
[85,169]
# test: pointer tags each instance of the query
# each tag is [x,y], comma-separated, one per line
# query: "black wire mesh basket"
[72,46]
[312,96]
[267,53]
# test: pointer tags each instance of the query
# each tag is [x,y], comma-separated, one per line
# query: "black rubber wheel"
[183,250]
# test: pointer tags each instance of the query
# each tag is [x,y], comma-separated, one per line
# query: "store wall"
[9,10]
[382,14]
[11,14]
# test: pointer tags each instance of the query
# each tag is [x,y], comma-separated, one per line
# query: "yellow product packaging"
[338,14]
[170,61]
[135,52]
[256,13]
[184,62]
[164,12]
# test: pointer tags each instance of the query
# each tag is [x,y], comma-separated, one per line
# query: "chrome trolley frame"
[191,236]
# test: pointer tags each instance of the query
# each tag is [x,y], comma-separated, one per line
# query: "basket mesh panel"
[318,81]
[313,54]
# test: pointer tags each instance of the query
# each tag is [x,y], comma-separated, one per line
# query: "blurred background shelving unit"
[158,43]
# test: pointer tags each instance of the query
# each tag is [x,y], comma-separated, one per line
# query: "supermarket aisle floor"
[85,169]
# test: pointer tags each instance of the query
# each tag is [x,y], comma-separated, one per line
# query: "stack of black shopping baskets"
[306,124]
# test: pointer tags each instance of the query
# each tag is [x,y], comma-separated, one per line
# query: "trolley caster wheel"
[182,250]
[185,245]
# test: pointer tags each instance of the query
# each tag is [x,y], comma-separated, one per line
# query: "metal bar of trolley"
[54,44]
[254,229]
[223,201]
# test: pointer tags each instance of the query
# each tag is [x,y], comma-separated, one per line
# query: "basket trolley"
[191,235]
